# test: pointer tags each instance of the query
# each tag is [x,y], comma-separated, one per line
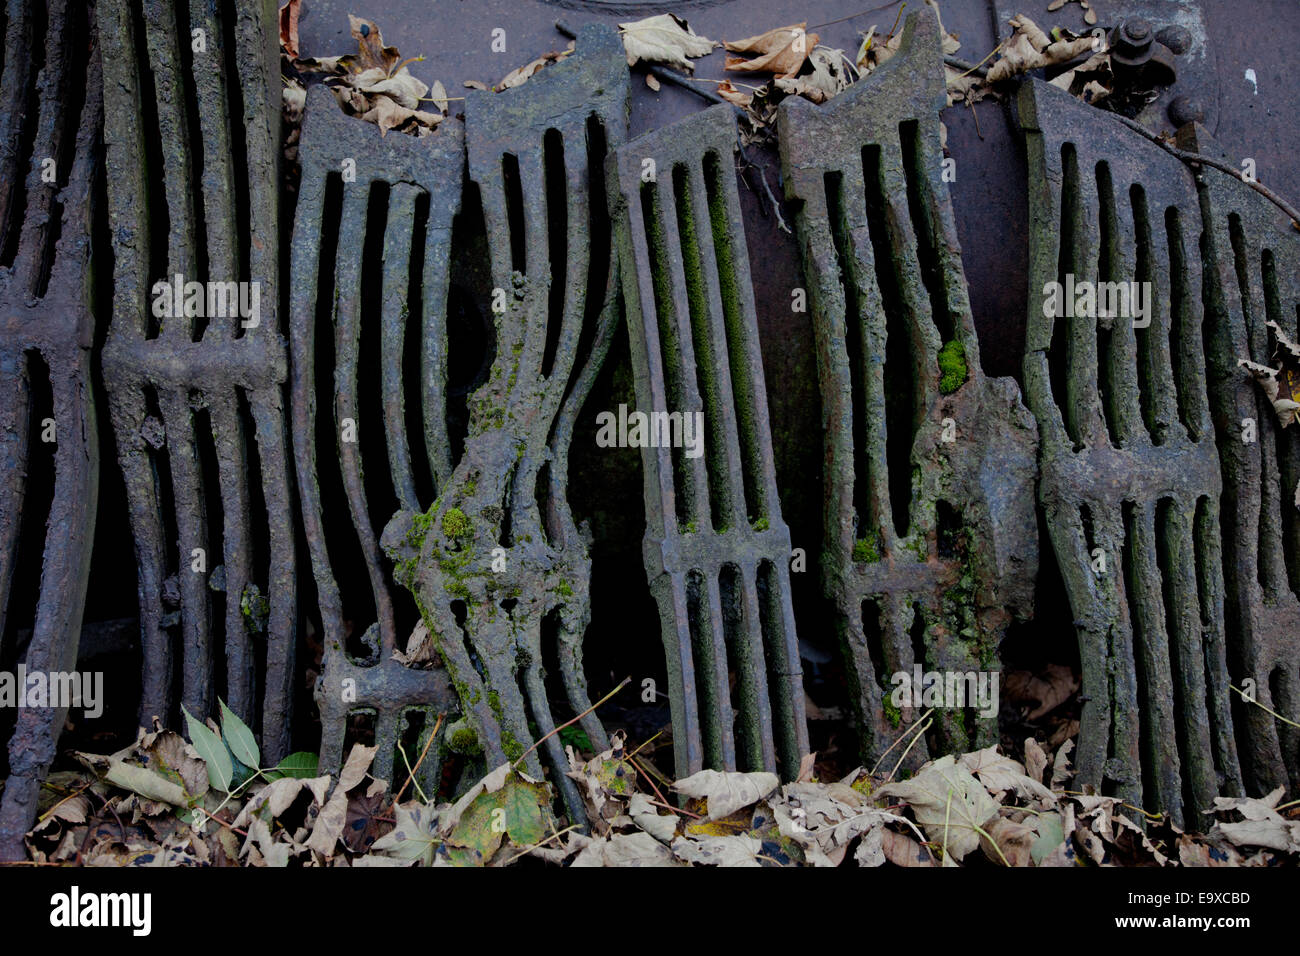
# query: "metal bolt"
[1177,39]
[1137,32]
[1184,110]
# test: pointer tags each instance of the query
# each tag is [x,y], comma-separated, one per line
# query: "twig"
[1195,159]
[1251,700]
[411,776]
[641,772]
[853,16]
[529,849]
[901,738]
[574,720]
[924,727]
[229,826]
[657,735]
[669,806]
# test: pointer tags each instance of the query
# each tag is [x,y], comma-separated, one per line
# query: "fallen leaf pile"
[374,84]
[164,801]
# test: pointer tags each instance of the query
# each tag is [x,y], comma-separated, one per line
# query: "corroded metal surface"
[930,536]
[1254,279]
[716,549]
[1130,476]
[46,323]
[197,403]
[497,564]
[400,174]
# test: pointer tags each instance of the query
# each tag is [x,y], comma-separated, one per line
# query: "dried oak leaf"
[781,51]
[664,39]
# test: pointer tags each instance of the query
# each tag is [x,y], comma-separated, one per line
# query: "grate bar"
[45,312]
[1130,467]
[196,399]
[1252,268]
[376,686]
[695,349]
[904,452]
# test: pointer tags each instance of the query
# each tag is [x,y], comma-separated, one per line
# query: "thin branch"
[556,730]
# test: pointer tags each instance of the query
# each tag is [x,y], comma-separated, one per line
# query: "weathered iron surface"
[197,404]
[348,156]
[930,535]
[1253,264]
[497,565]
[1130,479]
[1160,45]
[716,549]
[45,285]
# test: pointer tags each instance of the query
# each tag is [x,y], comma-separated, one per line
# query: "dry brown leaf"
[1281,384]
[519,76]
[876,50]
[1030,48]
[664,39]
[782,51]
[438,94]
[1035,759]
[828,77]
[1008,843]
[1049,688]
[370,42]
[289,27]
[903,850]
[733,95]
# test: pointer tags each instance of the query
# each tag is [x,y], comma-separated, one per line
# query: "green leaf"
[213,752]
[527,807]
[242,743]
[301,765]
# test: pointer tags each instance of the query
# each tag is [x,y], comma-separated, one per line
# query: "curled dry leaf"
[733,95]
[727,791]
[781,51]
[666,39]
[519,76]
[1281,384]
[1029,48]
[289,27]
[828,77]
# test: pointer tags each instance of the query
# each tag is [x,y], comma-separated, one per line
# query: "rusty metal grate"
[497,565]
[198,401]
[930,535]
[348,174]
[716,549]
[1130,472]
[1254,278]
[49,124]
